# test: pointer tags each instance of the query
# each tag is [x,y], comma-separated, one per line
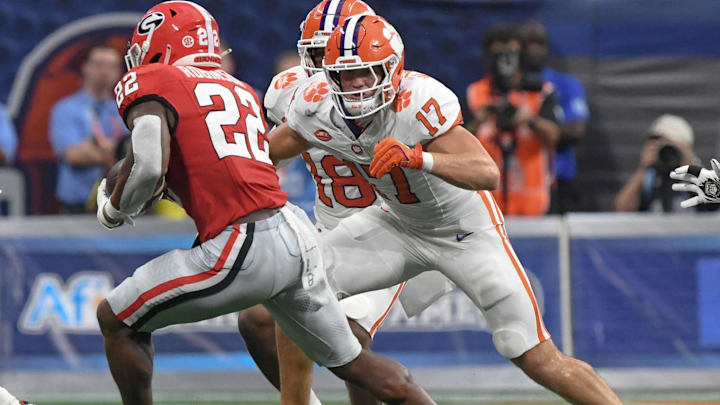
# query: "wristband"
[117,215]
[428,161]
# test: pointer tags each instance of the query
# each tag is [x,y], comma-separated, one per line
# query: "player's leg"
[225,274]
[296,372]
[130,357]
[257,327]
[489,272]
[366,312]
[358,395]
[324,335]
[6,398]
[572,379]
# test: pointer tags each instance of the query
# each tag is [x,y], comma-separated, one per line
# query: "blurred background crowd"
[585,105]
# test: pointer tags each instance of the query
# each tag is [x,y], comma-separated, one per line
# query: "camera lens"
[669,156]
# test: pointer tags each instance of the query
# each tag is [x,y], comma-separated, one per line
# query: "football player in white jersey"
[341,191]
[703,182]
[432,217]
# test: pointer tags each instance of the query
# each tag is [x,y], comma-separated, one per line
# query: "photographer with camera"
[668,145]
[514,117]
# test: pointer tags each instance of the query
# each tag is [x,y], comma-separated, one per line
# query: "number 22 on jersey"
[228,137]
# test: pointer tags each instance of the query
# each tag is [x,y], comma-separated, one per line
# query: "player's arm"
[456,157]
[144,169]
[285,144]
[703,182]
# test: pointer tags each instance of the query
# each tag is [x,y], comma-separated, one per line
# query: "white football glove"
[107,215]
[703,182]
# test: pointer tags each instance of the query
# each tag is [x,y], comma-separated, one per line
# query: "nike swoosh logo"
[462,236]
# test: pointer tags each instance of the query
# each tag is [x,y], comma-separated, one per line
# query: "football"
[112,176]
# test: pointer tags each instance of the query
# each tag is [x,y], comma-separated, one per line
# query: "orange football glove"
[390,153]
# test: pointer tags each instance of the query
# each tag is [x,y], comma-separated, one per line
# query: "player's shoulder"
[311,95]
[152,82]
[416,89]
[425,107]
[281,89]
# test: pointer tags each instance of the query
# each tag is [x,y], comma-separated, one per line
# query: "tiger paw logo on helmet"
[316,92]
[286,80]
[402,100]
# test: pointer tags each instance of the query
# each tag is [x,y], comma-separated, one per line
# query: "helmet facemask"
[306,48]
[354,104]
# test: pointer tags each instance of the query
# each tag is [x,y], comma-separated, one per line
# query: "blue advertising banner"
[646,301]
[51,287]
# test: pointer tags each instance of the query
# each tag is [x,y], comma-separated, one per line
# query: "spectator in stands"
[668,145]
[85,129]
[571,100]
[8,139]
[513,115]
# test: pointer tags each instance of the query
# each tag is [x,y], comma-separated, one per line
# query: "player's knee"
[395,388]
[510,343]
[254,321]
[108,321]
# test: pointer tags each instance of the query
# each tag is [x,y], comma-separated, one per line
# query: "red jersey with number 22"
[219,163]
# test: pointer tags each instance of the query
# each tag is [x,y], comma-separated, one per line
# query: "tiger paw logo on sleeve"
[402,100]
[316,92]
[286,80]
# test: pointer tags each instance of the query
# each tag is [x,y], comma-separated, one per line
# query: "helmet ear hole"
[173,13]
[156,58]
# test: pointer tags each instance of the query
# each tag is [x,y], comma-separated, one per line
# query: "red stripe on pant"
[181,281]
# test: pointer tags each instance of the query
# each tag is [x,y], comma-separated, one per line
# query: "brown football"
[112,176]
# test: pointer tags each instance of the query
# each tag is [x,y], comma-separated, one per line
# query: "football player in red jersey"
[202,132]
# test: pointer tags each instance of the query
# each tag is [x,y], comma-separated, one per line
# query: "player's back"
[219,164]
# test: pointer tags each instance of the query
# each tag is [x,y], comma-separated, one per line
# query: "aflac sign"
[68,307]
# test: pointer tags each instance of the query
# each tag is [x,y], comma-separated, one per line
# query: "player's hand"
[703,182]
[103,201]
[390,153]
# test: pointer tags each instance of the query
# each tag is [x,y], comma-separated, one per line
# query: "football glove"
[390,153]
[107,215]
[703,182]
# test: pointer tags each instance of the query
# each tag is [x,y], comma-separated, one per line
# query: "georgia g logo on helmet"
[153,20]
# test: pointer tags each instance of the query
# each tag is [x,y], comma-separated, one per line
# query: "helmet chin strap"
[167,54]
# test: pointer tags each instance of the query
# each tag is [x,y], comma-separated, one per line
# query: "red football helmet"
[364,42]
[175,33]
[320,23]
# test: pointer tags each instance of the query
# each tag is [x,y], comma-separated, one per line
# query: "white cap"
[674,128]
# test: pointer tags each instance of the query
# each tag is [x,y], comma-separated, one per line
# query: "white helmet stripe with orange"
[350,36]
[333,9]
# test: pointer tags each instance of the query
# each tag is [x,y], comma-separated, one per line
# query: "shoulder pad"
[425,107]
[279,93]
